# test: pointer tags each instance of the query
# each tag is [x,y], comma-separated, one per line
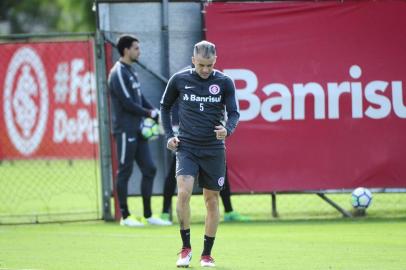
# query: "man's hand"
[221,132]
[173,143]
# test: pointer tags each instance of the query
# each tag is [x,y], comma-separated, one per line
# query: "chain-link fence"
[48,129]
[49,168]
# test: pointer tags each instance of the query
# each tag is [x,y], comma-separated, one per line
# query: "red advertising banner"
[321,93]
[48,100]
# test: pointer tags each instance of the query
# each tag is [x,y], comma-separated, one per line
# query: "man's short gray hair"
[205,49]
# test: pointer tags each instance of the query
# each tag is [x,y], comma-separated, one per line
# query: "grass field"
[332,244]
[309,234]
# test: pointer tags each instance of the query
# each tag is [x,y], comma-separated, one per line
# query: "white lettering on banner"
[72,130]
[397,97]
[247,93]
[284,100]
[24,117]
[379,107]
[82,85]
[72,85]
[61,88]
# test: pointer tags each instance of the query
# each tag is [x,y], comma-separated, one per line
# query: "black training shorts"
[207,165]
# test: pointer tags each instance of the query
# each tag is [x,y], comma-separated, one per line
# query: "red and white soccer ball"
[361,198]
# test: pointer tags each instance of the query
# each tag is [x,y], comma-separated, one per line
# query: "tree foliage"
[39,16]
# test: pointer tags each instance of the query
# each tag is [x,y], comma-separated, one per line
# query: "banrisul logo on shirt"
[195,98]
[214,89]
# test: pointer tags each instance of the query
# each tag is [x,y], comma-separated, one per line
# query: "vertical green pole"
[104,127]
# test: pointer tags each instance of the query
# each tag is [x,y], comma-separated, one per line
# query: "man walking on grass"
[204,94]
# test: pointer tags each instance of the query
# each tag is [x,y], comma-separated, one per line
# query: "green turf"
[333,244]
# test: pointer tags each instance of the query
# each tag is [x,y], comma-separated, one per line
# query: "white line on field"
[116,235]
[18,269]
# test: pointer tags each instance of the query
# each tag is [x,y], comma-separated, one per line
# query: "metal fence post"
[104,127]
[274,209]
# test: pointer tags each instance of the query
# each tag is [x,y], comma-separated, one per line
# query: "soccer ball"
[149,129]
[361,198]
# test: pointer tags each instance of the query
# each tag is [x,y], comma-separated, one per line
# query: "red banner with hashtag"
[48,100]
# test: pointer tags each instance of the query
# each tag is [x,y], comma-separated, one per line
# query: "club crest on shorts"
[214,89]
[221,181]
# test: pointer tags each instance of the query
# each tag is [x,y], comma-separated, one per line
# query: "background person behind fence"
[129,108]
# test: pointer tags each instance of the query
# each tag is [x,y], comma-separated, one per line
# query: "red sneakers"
[185,256]
[207,261]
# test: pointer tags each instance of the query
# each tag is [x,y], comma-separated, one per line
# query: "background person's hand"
[221,132]
[173,143]
[154,114]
